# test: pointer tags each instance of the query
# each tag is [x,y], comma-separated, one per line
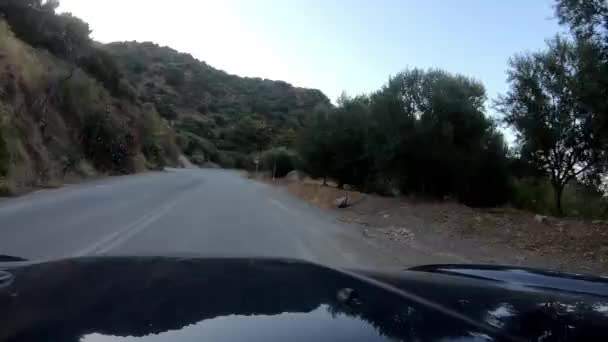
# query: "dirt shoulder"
[451,232]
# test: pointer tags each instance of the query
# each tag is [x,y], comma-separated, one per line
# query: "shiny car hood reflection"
[187,299]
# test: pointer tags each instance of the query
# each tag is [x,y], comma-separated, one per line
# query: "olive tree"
[554,128]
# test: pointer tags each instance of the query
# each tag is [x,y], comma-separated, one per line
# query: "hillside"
[71,107]
[211,109]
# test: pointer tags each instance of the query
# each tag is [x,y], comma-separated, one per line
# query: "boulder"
[541,219]
[341,202]
[293,176]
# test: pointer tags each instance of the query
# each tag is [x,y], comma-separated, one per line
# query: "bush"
[226,160]
[278,160]
[4,158]
[235,160]
[101,65]
[536,195]
[106,143]
[193,144]
[158,144]
[166,110]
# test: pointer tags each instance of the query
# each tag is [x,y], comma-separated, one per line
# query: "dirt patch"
[322,196]
[498,235]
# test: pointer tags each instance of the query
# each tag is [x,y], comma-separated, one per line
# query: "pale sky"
[334,46]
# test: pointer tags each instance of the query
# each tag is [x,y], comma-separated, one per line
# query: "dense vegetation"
[424,133]
[218,117]
[427,133]
[72,106]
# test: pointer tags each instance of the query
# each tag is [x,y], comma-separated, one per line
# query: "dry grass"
[322,196]
[21,59]
[509,235]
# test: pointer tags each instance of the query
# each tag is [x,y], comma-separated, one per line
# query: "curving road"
[208,212]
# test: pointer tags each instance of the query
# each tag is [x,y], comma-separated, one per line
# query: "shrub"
[4,158]
[536,194]
[158,145]
[278,160]
[100,64]
[193,144]
[226,160]
[106,143]
[532,194]
[166,110]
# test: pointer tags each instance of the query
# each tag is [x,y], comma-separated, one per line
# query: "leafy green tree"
[425,132]
[445,137]
[36,22]
[250,135]
[586,18]
[554,129]
[279,161]
[351,158]
[588,21]
[314,147]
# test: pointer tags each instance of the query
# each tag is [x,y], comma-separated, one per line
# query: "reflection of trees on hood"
[141,296]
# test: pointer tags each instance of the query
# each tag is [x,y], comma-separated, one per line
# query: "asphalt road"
[206,212]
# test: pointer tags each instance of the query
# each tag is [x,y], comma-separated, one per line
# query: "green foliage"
[4,158]
[555,130]
[166,110]
[235,160]
[251,114]
[278,161]
[157,142]
[534,194]
[174,77]
[586,18]
[35,22]
[425,132]
[194,145]
[588,21]
[106,143]
[313,146]
[537,194]
[250,134]
[100,64]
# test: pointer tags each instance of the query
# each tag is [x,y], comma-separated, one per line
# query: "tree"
[442,137]
[425,131]
[250,134]
[586,18]
[554,129]
[313,146]
[588,21]
[348,142]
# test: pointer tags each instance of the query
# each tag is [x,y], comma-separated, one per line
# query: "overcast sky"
[332,45]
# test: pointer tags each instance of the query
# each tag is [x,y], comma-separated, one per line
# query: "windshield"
[374,135]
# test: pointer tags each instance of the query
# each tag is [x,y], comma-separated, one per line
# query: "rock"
[478,219]
[541,219]
[386,216]
[341,202]
[185,162]
[293,176]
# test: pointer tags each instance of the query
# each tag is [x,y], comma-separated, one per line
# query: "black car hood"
[192,299]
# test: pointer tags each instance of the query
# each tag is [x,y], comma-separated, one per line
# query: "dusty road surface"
[207,212]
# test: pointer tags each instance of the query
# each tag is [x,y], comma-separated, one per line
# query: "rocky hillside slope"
[217,115]
[72,107]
